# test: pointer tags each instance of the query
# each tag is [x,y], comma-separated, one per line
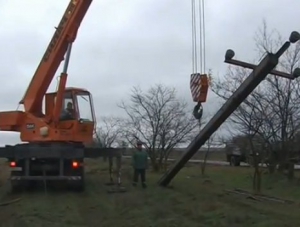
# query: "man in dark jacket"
[140,164]
[68,113]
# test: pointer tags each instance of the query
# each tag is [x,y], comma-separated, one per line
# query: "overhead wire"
[197,112]
[194,37]
[193,45]
[202,42]
[203,35]
[200,38]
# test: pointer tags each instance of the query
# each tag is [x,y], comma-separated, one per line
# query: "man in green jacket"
[140,164]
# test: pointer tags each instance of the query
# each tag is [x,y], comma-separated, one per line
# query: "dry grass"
[193,201]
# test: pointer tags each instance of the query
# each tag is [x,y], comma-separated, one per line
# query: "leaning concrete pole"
[258,74]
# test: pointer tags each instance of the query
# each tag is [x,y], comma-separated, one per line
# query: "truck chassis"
[49,162]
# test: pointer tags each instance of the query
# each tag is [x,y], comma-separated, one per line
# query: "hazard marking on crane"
[198,86]
[195,85]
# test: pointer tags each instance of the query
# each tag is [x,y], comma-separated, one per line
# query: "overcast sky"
[121,44]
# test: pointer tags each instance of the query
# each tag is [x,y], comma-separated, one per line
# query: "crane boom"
[64,35]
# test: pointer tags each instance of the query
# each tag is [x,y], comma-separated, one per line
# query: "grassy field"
[192,200]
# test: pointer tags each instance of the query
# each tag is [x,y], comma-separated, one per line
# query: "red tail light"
[75,164]
[13,164]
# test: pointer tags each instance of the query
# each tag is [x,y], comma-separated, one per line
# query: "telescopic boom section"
[64,35]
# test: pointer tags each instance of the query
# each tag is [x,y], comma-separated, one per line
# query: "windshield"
[84,107]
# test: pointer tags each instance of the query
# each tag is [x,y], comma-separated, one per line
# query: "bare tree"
[275,103]
[159,119]
[252,143]
[109,131]
[250,139]
[209,144]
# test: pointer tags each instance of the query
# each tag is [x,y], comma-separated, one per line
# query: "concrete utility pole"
[258,74]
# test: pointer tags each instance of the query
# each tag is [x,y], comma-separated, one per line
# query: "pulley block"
[199,87]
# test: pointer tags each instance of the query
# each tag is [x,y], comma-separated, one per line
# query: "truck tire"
[80,184]
[17,185]
[77,185]
[234,161]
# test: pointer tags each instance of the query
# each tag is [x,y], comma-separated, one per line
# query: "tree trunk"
[204,162]
[272,163]
[291,173]
[257,180]
[165,164]
[281,167]
[271,168]
[254,181]
[154,163]
[282,162]
[258,184]
[257,173]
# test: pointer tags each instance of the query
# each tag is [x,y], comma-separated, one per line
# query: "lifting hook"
[198,111]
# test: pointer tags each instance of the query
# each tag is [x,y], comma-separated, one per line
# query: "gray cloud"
[130,43]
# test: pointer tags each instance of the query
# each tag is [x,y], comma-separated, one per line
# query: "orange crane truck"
[54,140]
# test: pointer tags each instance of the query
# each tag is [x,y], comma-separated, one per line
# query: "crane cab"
[77,118]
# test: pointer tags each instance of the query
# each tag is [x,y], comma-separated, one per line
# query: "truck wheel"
[16,185]
[77,185]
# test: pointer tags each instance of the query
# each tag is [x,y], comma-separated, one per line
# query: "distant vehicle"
[241,152]
[234,155]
